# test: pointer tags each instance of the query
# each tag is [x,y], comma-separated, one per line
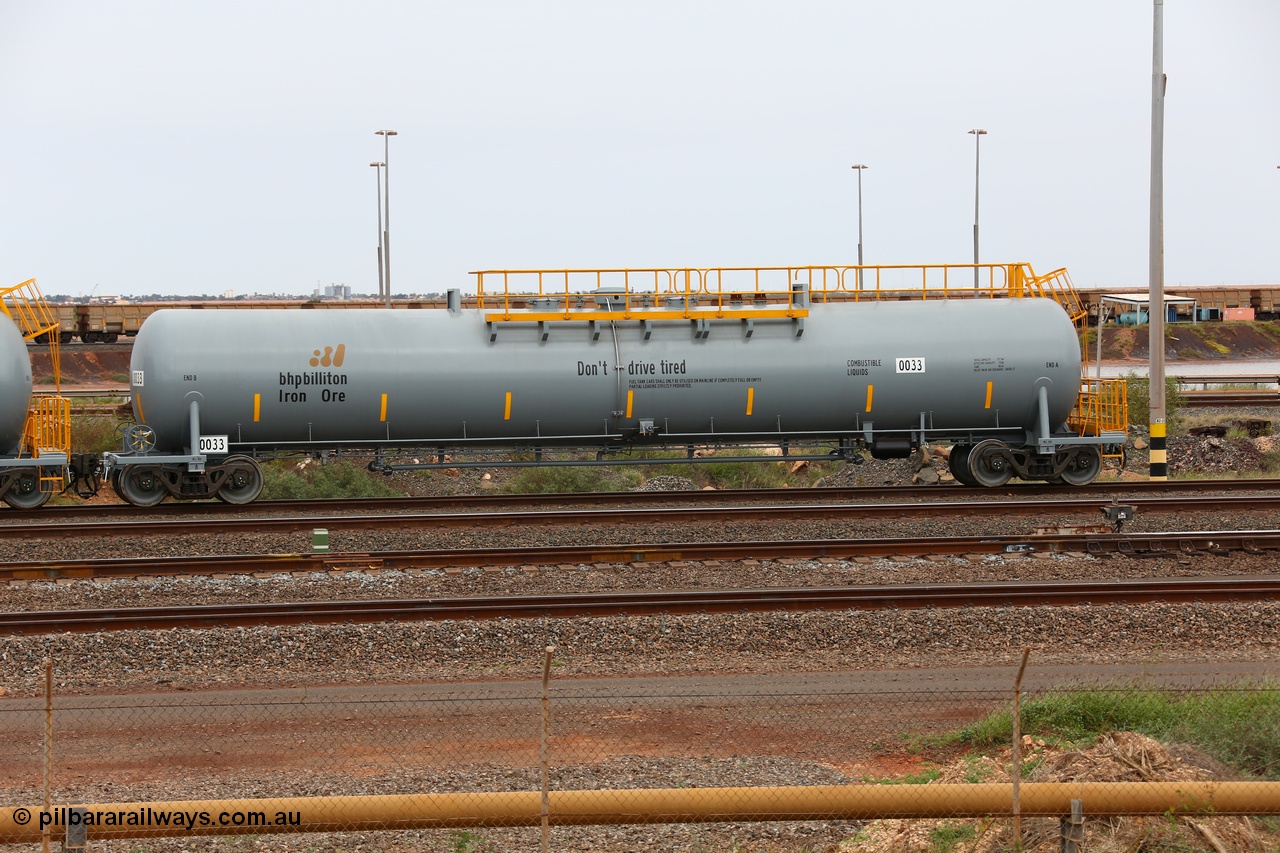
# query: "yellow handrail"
[25,305]
[880,281]
[1102,406]
[48,426]
[641,292]
[1057,285]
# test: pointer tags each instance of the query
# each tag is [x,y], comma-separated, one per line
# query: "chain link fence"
[691,763]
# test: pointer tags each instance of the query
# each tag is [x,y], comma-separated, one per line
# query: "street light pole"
[859,169]
[978,133]
[378,182]
[386,201]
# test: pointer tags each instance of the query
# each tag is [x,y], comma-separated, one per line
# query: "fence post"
[1072,828]
[1017,751]
[48,748]
[546,730]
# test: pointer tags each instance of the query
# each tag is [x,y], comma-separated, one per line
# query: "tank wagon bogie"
[215,391]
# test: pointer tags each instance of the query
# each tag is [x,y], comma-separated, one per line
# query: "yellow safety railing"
[47,432]
[922,281]
[25,305]
[48,425]
[634,293]
[47,428]
[604,294]
[1103,406]
[1057,286]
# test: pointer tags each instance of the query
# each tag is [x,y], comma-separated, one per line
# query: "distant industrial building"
[334,291]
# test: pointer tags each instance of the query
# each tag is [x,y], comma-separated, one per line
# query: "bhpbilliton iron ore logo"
[331,357]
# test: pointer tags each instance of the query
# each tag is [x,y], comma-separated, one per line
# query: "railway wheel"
[244,480]
[25,493]
[989,463]
[140,485]
[958,462]
[1083,467]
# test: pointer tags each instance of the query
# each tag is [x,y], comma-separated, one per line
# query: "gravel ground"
[756,642]
[747,643]
[744,643]
[181,660]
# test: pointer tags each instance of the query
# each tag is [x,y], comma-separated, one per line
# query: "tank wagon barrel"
[15,385]
[605,373]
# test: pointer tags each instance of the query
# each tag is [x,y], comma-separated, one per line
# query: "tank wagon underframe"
[997,455]
[998,379]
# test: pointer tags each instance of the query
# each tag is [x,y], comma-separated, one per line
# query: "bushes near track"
[1239,726]
[308,480]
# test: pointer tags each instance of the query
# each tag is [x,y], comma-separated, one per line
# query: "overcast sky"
[197,147]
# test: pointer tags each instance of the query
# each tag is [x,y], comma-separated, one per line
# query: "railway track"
[51,516]
[626,514]
[1134,545]
[643,603]
[56,520]
[1231,398]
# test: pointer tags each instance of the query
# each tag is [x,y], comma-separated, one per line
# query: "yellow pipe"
[658,805]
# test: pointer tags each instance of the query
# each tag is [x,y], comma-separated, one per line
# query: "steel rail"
[1137,544]
[1228,379]
[633,515]
[1230,399]
[51,514]
[643,604]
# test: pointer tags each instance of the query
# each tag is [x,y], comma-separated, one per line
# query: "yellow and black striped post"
[1159,458]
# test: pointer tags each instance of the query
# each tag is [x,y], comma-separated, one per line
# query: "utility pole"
[386,201]
[860,167]
[378,182]
[978,133]
[1155,296]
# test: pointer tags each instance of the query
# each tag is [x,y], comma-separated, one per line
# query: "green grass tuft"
[769,472]
[948,836]
[559,479]
[95,433]
[284,480]
[1139,392]
[1238,726]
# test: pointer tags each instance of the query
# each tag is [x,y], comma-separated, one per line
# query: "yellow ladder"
[1057,286]
[47,429]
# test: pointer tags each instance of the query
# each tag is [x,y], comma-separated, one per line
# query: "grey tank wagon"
[214,392]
